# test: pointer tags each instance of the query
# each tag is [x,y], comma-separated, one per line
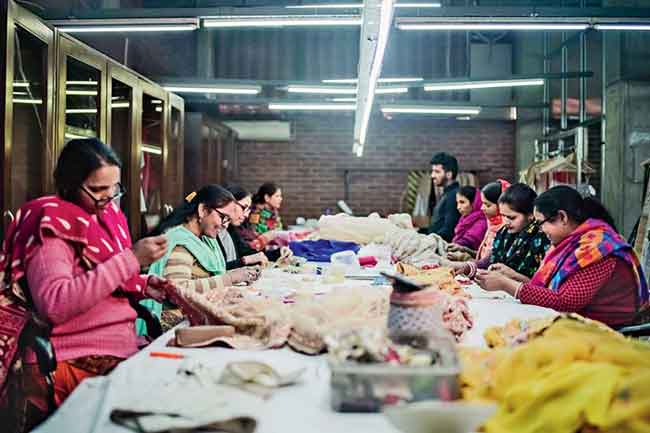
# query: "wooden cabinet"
[81,92]
[26,110]
[123,117]
[174,159]
[209,152]
[56,88]
[153,154]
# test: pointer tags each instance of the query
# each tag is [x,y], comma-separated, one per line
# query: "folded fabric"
[172,405]
[321,251]
[368,261]
[257,377]
[202,336]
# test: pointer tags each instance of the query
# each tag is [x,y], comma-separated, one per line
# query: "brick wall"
[310,169]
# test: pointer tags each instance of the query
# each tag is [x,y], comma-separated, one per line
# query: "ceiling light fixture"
[81,92]
[81,111]
[228,90]
[282,21]
[322,90]
[75,136]
[623,26]
[481,26]
[311,107]
[397,109]
[360,6]
[28,101]
[155,150]
[127,25]
[81,83]
[391,90]
[482,84]
[135,28]
[381,80]
[363,118]
[331,90]
[21,84]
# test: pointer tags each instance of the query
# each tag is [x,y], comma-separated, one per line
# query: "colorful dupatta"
[591,242]
[95,240]
[494,225]
[205,250]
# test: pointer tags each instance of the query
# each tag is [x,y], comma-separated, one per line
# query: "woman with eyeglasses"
[236,251]
[590,269]
[193,260]
[520,245]
[69,269]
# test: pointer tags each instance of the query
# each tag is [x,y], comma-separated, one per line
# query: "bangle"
[518,289]
[472,269]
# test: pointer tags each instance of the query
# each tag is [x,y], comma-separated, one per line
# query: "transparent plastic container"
[358,387]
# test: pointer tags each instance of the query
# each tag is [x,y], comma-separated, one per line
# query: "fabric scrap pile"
[265,323]
[568,375]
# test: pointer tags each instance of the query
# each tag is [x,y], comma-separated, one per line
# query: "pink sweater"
[86,319]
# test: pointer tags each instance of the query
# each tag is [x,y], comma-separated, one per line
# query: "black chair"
[636,331]
[36,337]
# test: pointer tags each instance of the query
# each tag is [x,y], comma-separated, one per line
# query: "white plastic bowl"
[437,416]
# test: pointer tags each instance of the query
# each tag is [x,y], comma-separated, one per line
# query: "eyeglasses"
[104,201]
[541,223]
[225,218]
[243,208]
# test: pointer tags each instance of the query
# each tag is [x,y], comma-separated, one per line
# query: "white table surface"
[300,408]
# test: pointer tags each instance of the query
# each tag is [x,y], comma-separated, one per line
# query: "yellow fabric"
[576,377]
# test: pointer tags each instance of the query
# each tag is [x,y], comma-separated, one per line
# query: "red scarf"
[494,225]
[95,240]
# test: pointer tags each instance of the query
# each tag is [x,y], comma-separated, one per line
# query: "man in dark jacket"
[444,168]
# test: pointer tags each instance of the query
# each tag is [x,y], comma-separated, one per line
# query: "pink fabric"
[471,228]
[87,319]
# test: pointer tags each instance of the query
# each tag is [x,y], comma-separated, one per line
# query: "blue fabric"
[321,251]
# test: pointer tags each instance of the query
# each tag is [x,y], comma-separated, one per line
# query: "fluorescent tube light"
[120,105]
[281,21]
[328,6]
[622,26]
[139,28]
[81,92]
[360,6]
[81,83]
[343,99]
[465,85]
[390,90]
[28,101]
[74,136]
[81,111]
[151,149]
[381,80]
[159,109]
[22,84]
[229,90]
[472,111]
[385,21]
[418,5]
[311,107]
[323,90]
[330,90]
[156,102]
[491,26]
